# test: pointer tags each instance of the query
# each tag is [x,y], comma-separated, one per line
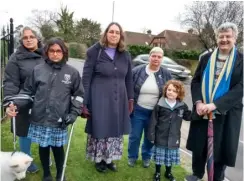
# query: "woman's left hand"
[131,105]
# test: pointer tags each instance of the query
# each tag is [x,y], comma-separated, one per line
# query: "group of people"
[118,100]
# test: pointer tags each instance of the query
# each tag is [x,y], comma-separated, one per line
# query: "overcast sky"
[133,15]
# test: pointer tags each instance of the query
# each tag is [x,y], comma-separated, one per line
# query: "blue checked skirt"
[165,156]
[47,136]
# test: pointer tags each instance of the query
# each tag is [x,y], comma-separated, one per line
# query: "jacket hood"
[163,103]
[24,53]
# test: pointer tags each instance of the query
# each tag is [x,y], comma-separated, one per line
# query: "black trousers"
[199,163]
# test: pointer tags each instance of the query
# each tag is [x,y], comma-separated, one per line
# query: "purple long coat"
[108,87]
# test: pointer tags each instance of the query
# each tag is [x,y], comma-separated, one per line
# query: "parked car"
[177,71]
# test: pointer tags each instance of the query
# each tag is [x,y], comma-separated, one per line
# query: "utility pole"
[113,13]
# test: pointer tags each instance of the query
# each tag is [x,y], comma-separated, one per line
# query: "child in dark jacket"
[164,127]
[58,93]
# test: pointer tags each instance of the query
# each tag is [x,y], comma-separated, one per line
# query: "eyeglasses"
[25,38]
[58,52]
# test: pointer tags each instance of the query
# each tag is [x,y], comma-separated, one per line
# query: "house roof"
[135,38]
[180,40]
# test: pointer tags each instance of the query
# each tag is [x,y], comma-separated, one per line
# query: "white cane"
[14,130]
[67,151]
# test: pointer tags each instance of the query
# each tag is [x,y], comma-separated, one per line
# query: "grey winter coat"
[18,68]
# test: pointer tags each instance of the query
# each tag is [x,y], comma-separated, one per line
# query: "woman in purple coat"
[107,80]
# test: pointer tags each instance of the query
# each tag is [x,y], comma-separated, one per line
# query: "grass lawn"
[80,169]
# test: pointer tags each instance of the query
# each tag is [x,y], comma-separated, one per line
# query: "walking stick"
[67,151]
[210,158]
[14,131]
[9,100]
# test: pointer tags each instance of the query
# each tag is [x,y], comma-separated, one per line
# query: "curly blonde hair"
[179,86]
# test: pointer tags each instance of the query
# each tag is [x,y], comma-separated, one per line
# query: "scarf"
[210,90]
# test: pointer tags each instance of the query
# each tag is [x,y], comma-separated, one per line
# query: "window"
[145,57]
[183,43]
[167,60]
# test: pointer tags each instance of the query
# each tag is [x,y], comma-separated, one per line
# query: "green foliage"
[47,31]
[65,24]
[175,54]
[183,54]
[138,49]
[77,50]
[4,52]
[87,31]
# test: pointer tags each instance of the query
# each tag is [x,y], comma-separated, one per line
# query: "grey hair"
[228,25]
[37,35]
[156,50]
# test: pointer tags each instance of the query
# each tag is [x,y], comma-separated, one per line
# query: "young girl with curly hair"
[165,125]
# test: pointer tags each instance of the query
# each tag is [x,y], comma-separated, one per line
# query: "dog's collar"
[13,153]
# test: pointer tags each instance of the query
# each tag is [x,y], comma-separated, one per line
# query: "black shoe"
[48,178]
[101,167]
[112,167]
[169,176]
[156,177]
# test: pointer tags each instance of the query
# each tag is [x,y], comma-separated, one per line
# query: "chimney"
[149,32]
[190,31]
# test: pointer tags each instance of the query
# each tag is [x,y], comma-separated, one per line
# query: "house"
[135,38]
[174,40]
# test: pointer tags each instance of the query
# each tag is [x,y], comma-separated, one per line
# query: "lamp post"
[113,12]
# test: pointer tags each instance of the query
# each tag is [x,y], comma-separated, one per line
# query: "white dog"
[14,165]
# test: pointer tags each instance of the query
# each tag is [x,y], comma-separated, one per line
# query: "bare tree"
[42,17]
[204,17]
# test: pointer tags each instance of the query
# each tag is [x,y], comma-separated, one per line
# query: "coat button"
[115,68]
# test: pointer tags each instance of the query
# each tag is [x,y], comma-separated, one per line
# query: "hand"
[11,110]
[207,108]
[68,119]
[85,112]
[199,108]
[131,105]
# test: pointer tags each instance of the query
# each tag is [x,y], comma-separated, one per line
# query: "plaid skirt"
[47,136]
[165,156]
[107,149]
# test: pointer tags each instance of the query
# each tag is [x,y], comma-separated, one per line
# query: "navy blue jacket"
[140,76]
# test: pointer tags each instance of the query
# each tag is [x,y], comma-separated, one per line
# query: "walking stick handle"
[210,116]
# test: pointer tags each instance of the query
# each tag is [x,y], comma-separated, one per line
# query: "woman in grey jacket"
[19,67]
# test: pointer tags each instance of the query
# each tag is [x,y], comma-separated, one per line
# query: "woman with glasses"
[107,80]
[58,101]
[18,68]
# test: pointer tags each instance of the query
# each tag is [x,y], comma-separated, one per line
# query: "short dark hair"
[59,42]
[104,41]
